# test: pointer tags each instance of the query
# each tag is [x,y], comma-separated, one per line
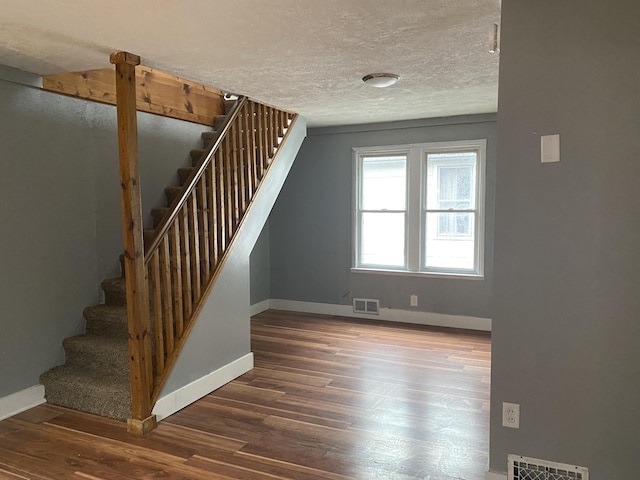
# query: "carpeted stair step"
[115,291]
[157,213]
[107,320]
[183,174]
[228,104]
[99,353]
[196,156]
[172,193]
[148,234]
[208,138]
[218,120]
[100,393]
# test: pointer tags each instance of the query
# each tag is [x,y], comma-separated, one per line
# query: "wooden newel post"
[140,358]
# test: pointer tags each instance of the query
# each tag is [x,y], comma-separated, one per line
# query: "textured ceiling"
[307,56]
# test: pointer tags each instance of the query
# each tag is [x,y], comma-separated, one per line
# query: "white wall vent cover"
[366,305]
[525,468]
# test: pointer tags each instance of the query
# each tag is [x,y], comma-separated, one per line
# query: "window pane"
[384,183]
[451,181]
[382,239]
[454,224]
[454,187]
[449,240]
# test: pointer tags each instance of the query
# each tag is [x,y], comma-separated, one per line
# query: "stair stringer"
[219,345]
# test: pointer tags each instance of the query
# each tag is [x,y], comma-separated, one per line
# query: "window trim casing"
[357,211]
[416,205]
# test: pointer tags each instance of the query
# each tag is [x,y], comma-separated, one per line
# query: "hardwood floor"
[330,398]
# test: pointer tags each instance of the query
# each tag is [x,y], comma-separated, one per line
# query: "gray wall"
[566,323]
[260,262]
[60,231]
[310,226]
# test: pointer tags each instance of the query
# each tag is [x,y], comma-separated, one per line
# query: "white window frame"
[416,207]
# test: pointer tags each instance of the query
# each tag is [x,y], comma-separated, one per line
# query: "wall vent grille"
[366,305]
[525,468]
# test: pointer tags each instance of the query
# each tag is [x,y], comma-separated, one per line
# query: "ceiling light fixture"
[380,79]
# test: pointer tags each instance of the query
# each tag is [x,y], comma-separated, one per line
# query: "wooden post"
[137,290]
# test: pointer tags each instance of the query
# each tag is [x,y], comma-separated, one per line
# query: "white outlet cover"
[511,415]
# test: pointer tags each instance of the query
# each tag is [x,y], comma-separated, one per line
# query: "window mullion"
[413,220]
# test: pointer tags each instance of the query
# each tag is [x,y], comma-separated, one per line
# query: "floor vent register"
[525,468]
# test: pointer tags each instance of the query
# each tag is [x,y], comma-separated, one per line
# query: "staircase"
[214,195]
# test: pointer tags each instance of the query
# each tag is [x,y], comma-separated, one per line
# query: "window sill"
[406,273]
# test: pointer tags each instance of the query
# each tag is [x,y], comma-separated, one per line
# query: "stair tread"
[218,120]
[209,137]
[108,320]
[117,283]
[183,173]
[98,352]
[196,155]
[100,393]
[115,291]
[114,313]
[96,343]
[172,192]
[157,213]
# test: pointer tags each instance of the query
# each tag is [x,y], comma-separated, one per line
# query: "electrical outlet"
[511,415]
[414,300]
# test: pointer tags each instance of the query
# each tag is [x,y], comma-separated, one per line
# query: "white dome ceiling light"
[380,80]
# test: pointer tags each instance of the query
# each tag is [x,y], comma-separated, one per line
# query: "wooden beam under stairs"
[156,92]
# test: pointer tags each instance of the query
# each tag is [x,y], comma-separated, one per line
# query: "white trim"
[259,307]
[20,401]
[489,475]
[389,314]
[429,274]
[175,401]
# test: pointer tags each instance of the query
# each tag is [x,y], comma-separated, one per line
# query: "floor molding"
[259,307]
[175,401]
[489,475]
[388,314]
[20,401]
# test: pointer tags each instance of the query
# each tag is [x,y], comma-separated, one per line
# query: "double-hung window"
[420,208]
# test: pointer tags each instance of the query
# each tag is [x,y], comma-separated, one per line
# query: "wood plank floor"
[330,398]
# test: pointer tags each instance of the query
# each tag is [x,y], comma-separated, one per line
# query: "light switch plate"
[550,148]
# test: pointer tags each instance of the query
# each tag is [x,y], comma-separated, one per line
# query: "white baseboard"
[259,307]
[495,476]
[20,401]
[388,314]
[175,401]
